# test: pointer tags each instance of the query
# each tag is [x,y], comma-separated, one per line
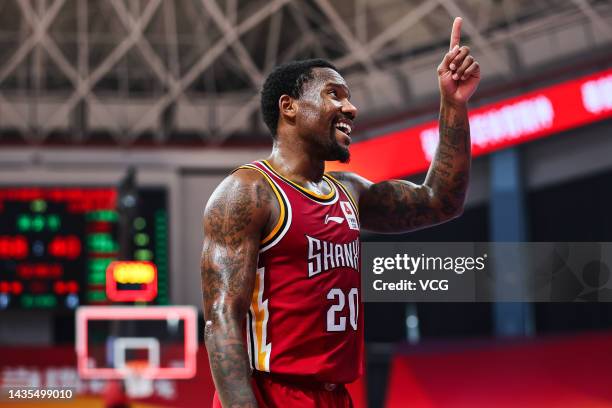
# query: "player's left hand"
[459,72]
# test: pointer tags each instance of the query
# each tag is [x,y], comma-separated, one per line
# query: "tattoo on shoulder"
[263,194]
[224,251]
[227,218]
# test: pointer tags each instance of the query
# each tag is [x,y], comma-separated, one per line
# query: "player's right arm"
[234,219]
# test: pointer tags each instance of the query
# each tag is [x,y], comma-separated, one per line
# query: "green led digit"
[23,223]
[53,222]
[102,216]
[38,223]
[27,301]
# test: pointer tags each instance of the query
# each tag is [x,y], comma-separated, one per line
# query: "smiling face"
[325,114]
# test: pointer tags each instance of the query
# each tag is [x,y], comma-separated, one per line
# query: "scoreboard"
[57,242]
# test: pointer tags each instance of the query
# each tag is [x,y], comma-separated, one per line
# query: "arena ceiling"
[173,72]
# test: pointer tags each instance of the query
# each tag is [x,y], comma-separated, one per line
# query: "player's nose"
[349,109]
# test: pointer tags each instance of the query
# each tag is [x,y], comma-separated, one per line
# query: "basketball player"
[280,261]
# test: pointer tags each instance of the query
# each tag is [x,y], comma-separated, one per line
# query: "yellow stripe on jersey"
[259,309]
[348,194]
[328,196]
[281,203]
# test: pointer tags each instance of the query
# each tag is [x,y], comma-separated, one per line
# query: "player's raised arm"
[233,220]
[399,206]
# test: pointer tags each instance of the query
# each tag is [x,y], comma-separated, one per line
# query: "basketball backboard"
[159,341]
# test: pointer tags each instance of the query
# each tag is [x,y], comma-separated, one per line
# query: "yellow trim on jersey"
[346,191]
[305,190]
[259,308]
[281,204]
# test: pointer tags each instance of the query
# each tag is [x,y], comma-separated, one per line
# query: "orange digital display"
[131,281]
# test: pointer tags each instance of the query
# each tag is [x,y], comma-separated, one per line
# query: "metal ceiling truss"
[162,71]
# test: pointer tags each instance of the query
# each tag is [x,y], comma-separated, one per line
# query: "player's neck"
[296,163]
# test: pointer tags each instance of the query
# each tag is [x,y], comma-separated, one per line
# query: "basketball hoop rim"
[132,370]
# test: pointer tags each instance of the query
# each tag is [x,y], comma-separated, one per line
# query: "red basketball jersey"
[305,316]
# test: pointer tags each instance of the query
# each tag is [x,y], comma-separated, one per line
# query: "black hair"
[286,79]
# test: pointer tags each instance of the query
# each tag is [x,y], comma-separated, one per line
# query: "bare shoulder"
[241,203]
[356,184]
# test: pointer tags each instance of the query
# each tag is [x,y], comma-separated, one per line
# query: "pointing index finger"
[455,33]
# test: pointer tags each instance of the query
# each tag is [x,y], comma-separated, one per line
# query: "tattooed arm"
[234,220]
[400,206]
[395,206]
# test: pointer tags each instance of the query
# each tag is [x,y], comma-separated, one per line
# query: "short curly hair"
[286,79]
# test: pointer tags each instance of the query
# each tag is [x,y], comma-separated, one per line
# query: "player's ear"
[287,107]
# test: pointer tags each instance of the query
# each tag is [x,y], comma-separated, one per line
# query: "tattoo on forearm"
[399,206]
[448,176]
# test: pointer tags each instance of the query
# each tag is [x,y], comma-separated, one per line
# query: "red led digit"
[65,247]
[59,288]
[13,247]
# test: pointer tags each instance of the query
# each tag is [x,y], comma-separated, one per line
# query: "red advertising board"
[534,115]
[569,372]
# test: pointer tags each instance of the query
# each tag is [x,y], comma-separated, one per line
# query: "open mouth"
[344,127]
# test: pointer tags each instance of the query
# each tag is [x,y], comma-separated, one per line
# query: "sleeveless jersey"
[305,317]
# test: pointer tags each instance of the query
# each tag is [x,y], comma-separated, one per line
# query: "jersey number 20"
[338,324]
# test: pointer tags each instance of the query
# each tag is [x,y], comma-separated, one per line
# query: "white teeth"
[344,127]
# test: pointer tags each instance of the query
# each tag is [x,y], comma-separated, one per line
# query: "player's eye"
[333,92]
